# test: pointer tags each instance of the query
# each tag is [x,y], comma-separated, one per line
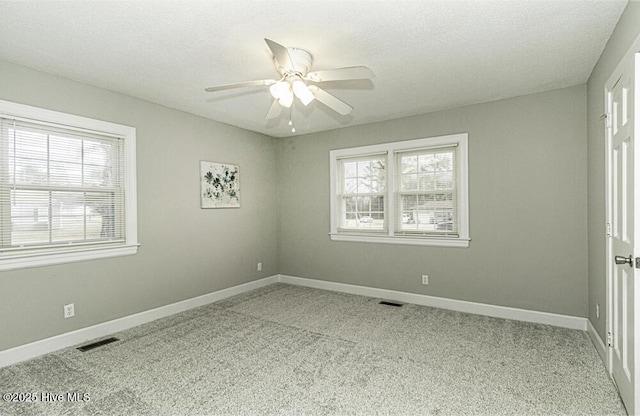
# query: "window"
[67,188]
[362,193]
[426,191]
[410,192]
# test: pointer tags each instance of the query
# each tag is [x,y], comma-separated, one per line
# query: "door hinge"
[609,339]
[607,118]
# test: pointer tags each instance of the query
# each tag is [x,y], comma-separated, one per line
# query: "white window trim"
[388,236]
[50,256]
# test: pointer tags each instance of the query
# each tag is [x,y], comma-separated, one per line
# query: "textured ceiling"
[427,55]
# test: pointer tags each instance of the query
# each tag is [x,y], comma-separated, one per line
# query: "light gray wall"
[186,251]
[528,216]
[625,33]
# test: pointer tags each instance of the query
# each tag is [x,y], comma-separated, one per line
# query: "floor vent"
[386,302]
[97,344]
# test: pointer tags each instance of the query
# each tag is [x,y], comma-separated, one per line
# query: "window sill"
[47,258]
[413,241]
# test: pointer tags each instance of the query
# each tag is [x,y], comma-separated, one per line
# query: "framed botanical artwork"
[219,185]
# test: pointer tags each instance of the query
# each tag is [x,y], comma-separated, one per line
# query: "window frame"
[43,256]
[389,235]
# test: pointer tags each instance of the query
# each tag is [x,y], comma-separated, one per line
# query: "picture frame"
[219,185]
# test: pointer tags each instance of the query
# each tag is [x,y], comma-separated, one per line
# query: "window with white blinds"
[410,192]
[63,188]
[362,193]
[427,191]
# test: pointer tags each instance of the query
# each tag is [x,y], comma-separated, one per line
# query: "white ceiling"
[427,55]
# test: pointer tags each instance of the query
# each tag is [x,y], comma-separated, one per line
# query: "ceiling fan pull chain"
[293,128]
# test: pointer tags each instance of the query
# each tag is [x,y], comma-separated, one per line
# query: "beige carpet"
[294,350]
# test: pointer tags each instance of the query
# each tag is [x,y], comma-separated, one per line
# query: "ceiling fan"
[294,65]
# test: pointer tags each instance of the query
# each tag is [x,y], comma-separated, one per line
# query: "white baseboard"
[597,342]
[48,345]
[45,346]
[564,321]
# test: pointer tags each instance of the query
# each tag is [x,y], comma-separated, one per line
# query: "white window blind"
[59,187]
[362,193]
[427,191]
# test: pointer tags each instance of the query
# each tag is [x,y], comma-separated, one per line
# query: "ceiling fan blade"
[274,110]
[330,101]
[281,53]
[241,84]
[341,74]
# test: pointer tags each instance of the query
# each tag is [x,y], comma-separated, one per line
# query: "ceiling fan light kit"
[294,64]
[281,91]
[301,91]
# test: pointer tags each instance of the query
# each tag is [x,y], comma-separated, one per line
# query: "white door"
[624,241]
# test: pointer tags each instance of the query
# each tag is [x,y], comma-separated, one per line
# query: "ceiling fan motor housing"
[301,60]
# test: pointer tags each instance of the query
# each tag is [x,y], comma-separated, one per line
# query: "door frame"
[608,86]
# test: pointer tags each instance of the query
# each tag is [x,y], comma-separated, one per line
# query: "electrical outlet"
[425,279]
[69,310]
[597,311]
[259,267]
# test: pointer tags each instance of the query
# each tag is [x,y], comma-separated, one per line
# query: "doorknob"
[624,260]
